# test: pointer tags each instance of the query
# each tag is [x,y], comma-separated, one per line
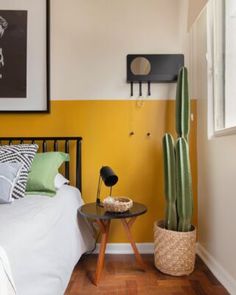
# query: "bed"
[42,238]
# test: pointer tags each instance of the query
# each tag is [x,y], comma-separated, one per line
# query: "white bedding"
[44,240]
[7,285]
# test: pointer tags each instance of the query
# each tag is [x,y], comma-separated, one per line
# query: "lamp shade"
[108,176]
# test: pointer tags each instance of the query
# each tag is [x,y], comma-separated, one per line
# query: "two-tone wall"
[90,98]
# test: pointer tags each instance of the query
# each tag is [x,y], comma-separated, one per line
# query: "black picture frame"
[30,103]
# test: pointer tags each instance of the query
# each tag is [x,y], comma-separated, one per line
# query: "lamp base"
[99,203]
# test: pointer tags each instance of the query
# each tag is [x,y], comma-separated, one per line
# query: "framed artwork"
[24,56]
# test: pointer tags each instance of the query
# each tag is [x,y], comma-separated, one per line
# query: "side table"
[103,219]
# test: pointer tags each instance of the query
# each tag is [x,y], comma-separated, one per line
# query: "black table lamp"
[109,178]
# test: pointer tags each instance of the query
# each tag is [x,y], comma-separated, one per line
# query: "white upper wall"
[91,38]
[195,7]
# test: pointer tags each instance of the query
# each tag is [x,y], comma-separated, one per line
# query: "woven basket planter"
[174,251]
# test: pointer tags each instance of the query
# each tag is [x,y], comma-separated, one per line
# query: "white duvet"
[43,240]
[7,285]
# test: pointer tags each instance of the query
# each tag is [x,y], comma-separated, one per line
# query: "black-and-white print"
[13,53]
[3,26]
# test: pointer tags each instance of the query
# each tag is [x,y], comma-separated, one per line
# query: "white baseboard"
[125,248]
[220,273]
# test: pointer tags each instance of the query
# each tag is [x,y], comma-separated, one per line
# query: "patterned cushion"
[22,153]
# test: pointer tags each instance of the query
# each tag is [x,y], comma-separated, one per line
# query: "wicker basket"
[174,251]
[118,204]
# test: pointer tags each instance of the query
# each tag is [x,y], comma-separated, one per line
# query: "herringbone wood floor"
[121,277]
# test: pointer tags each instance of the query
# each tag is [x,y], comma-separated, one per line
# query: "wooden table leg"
[104,227]
[127,225]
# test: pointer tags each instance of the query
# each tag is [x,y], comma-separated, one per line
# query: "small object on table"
[103,219]
[117,204]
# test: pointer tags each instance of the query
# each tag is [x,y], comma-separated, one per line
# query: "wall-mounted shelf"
[153,68]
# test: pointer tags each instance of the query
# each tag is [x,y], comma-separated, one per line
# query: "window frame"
[216,70]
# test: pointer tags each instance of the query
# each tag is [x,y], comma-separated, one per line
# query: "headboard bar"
[45,146]
[67,150]
[55,144]
[78,165]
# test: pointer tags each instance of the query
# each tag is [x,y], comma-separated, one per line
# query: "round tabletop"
[94,211]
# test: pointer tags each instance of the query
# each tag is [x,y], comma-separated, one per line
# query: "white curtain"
[195,7]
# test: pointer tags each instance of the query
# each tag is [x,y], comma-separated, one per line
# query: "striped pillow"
[21,153]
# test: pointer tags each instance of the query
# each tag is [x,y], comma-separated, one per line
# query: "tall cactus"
[178,180]
[170,183]
[182,105]
[183,185]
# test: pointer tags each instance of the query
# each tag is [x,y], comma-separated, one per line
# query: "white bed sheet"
[7,286]
[44,240]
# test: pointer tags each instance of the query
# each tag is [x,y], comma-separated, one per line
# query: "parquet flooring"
[122,277]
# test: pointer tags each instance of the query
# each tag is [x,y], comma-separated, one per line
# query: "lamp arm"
[98,201]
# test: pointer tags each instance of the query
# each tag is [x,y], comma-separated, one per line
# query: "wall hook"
[131,89]
[149,88]
[140,89]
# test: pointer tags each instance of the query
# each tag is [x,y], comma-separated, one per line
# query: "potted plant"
[175,237]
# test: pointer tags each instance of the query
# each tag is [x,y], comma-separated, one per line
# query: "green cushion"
[43,172]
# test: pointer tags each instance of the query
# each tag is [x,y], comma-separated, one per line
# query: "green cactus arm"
[182,105]
[184,186]
[170,182]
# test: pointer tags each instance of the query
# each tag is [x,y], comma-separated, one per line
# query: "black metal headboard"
[55,144]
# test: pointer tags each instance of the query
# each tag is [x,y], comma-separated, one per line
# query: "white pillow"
[9,174]
[60,180]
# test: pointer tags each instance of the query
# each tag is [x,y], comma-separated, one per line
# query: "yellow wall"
[105,128]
